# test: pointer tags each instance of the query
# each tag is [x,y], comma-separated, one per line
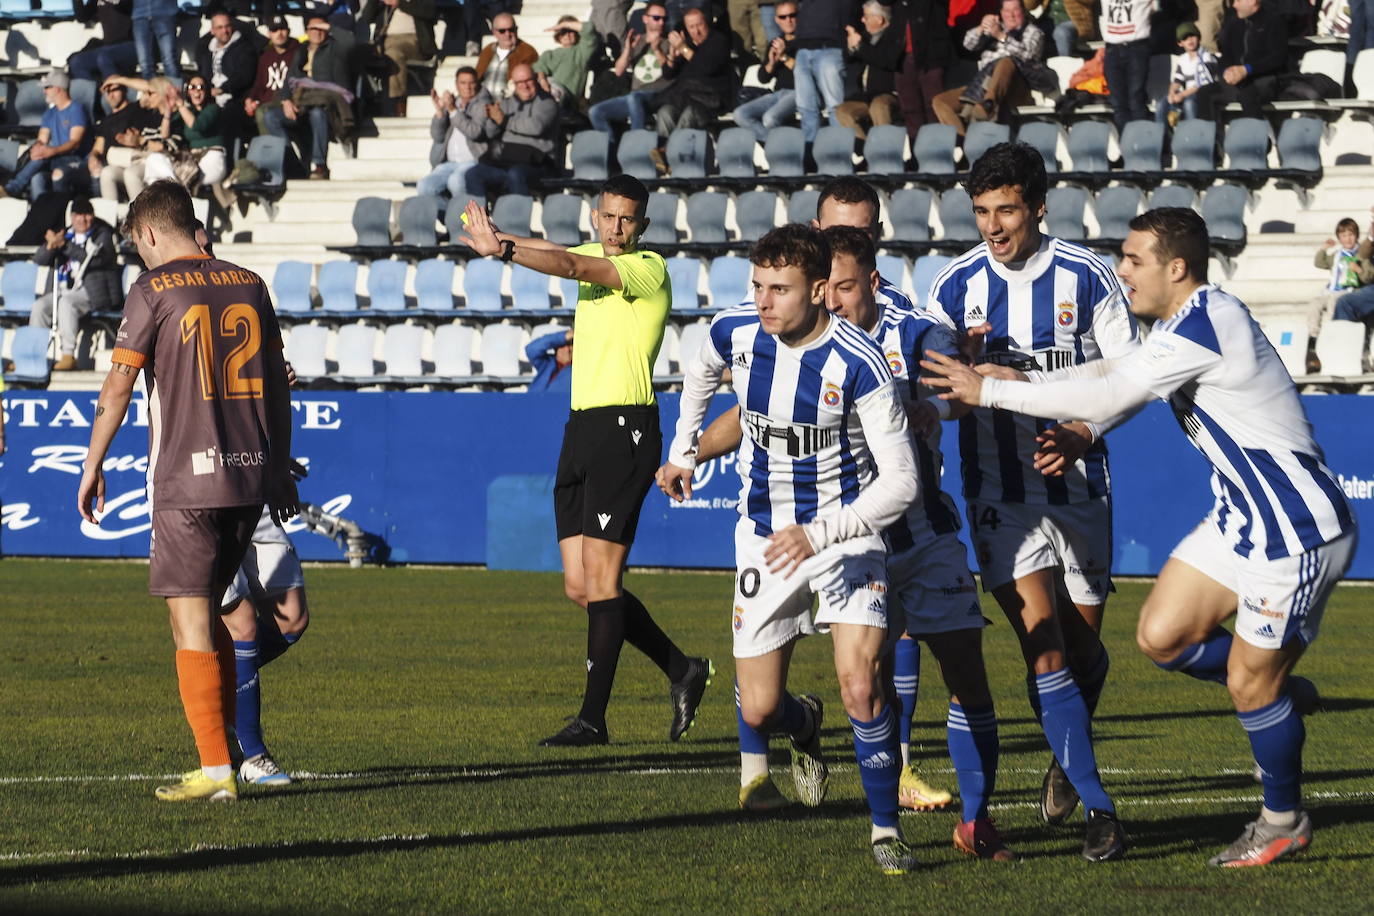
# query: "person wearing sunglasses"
[324,62]
[198,120]
[642,57]
[499,59]
[778,107]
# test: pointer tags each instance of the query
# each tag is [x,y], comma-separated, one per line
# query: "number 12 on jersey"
[238,322]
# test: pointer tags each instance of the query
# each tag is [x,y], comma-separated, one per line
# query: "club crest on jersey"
[895,362]
[739,618]
[1066,314]
[831,395]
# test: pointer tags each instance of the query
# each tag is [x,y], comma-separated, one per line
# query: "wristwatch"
[507,250]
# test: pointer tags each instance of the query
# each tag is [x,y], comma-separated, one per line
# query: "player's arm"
[110,408]
[545,257]
[722,437]
[699,384]
[282,499]
[927,409]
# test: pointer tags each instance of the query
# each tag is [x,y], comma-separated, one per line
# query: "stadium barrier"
[467,478]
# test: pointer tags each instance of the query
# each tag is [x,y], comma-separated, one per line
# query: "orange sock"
[228,671]
[198,677]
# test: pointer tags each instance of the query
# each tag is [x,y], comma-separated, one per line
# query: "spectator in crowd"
[521,134]
[55,157]
[562,72]
[551,356]
[611,21]
[497,60]
[459,124]
[200,157]
[156,20]
[1126,31]
[1253,46]
[747,26]
[316,91]
[124,163]
[1360,34]
[819,72]
[1010,64]
[404,31]
[83,274]
[643,55]
[270,79]
[1082,13]
[1194,68]
[1053,18]
[699,65]
[1210,15]
[778,107]
[1350,275]
[926,50]
[871,69]
[121,129]
[228,60]
[113,51]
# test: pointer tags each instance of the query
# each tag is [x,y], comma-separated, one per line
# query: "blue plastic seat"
[633,154]
[591,155]
[1044,136]
[305,350]
[1247,144]
[801,205]
[1223,209]
[934,149]
[908,209]
[372,222]
[1195,145]
[419,220]
[785,150]
[1115,208]
[561,218]
[662,215]
[482,285]
[923,273]
[756,213]
[402,346]
[338,286]
[834,150]
[434,285]
[1064,208]
[268,153]
[1299,144]
[29,351]
[1173,195]
[728,281]
[17,287]
[885,149]
[685,274]
[1088,146]
[512,213]
[453,350]
[688,153]
[706,216]
[529,289]
[956,217]
[735,153]
[354,347]
[502,347]
[981,137]
[291,286]
[386,285]
[1142,146]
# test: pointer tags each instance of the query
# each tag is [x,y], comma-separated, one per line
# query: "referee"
[611,443]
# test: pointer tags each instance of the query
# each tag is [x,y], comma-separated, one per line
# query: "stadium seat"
[291,286]
[131,272]
[9,156]
[756,214]
[1363,74]
[706,217]
[29,104]
[338,286]
[372,222]
[956,217]
[1115,208]
[1064,208]
[662,214]
[502,347]
[561,218]
[83,93]
[482,285]
[685,274]
[690,339]
[1044,136]
[1328,63]
[434,285]
[590,155]
[453,351]
[892,268]
[923,271]
[453,218]
[633,154]
[885,150]
[268,153]
[1172,195]
[1088,142]
[688,153]
[1299,144]
[529,289]
[663,362]
[1195,145]
[735,153]
[402,346]
[1340,347]
[419,218]
[728,281]
[785,150]
[1223,208]
[1247,144]
[1142,146]
[567,292]
[834,150]
[934,149]
[513,213]
[354,346]
[1289,338]
[29,352]
[982,136]
[386,285]
[18,287]
[908,210]
[801,205]
[305,351]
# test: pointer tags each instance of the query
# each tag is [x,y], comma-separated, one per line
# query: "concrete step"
[322,233]
[382,149]
[411,167]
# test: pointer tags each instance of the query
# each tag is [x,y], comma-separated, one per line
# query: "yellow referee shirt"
[617,332]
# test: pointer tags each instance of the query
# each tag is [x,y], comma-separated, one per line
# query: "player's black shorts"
[606,466]
[195,552]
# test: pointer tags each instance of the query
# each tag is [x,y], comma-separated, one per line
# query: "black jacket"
[932,45]
[820,23]
[101,277]
[1259,42]
[240,66]
[331,66]
[874,65]
[422,11]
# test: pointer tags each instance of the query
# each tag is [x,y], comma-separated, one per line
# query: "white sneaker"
[262,770]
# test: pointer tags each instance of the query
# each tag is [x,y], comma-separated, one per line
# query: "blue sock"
[880,765]
[1067,727]
[1276,736]
[1204,660]
[751,741]
[973,746]
[248,699]
[906,675]
[1090,682]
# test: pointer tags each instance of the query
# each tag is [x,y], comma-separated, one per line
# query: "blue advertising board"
[443,477]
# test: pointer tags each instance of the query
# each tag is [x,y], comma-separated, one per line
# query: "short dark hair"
[164,205]
[1010,165]
[1348,225]
[794,245]
[848,190]
[1179,233]
[471,71]
[854,243]
[626,186]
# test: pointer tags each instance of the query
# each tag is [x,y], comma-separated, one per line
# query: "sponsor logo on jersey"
[831,395]
[879,761]
[975,314]
[796,440]
[895,362]
[741,361]
[203,462]
[1066,314]
[1265,632]
[1262,608]
[242,459]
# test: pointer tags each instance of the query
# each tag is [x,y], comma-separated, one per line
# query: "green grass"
[421,693]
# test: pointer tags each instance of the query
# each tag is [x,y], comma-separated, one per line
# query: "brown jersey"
[198,327]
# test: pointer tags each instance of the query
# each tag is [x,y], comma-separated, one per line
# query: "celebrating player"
[220,440]
[611,444]
[1280,534]
[1037,491]
[826,466]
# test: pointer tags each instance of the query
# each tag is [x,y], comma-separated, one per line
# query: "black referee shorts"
[606,466]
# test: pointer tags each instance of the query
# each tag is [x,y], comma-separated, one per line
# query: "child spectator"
[1350,269]
[1193,69]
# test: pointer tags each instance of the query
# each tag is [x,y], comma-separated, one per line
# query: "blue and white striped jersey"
[1275,496]
[804,412]
[1062,307]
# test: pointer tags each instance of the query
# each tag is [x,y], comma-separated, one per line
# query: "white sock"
[218,773]
[751,767]
[906,755]
[883,833]
[1286,819]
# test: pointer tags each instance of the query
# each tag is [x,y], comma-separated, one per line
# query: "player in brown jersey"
[206,335]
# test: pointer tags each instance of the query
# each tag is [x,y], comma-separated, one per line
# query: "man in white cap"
[55,157]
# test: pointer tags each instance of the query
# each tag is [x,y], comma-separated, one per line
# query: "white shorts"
[270,568]
[931,589]
[849,578]
[1275,599]
[1012,540]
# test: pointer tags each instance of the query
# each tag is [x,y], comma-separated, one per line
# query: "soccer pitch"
[409,715]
